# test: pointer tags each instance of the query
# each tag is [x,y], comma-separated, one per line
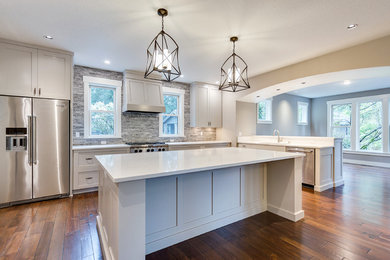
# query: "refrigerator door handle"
[34,140]
[30,151]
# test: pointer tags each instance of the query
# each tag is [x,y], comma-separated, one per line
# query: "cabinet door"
[202,115]
[215,108]
[54,75]
[18,70]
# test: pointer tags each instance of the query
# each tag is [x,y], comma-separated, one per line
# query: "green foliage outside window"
[370,130]
[102,111]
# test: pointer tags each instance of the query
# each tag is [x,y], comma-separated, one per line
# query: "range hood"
[142,95]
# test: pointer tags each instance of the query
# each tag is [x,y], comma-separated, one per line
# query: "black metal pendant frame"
[231,63]
[161,42]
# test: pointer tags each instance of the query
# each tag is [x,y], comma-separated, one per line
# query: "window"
[172,121]
[370,126]
[363,123]
[264,111]
[341,123]
[102,114]
[303,111]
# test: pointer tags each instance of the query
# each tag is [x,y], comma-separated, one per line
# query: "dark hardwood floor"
[349,222]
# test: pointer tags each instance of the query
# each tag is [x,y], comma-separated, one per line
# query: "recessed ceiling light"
[181,76]
[352,26]
[217,82]
[48,37]
[107,62]
[347,82]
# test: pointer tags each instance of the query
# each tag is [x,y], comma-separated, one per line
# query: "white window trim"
[355,120]
[180,93]
[259,121]
[108,83]
[306,104]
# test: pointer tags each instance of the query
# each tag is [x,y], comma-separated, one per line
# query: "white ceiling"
[271,34]
[338,88]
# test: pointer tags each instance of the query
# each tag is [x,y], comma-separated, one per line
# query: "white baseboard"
[367,163]
[285,213]
[103,242]
[323,187]
[196,231]
[338,183]
[85,190]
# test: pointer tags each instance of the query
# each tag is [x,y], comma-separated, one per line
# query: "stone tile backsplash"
[136,126]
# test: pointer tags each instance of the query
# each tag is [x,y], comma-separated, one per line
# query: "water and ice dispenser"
[16,139]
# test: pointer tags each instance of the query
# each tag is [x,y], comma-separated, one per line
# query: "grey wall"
[284,117]
[319,109]
[136,126]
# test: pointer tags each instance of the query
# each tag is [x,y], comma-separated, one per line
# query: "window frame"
[269,106]
[180,115]
[306,105]
[355,121]
[116,85]
[333,127]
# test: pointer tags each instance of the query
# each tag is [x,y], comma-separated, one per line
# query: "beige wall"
[370,54]
[246,118]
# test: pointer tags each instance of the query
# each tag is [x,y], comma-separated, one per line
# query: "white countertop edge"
[287,144]
[197,142]
[184,171]
[99,146]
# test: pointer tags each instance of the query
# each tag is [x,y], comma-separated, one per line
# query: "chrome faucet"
[277,132]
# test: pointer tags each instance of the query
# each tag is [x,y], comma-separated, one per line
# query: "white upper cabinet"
[142,95]
[54,75]
[18,70]
[33,72]
[206,106]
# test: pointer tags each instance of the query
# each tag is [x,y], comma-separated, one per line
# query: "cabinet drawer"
[87,180]
[87,161]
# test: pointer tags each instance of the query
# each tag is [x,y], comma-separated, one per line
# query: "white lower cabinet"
[86,167]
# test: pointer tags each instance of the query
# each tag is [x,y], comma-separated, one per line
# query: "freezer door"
[50,147]
[15,171]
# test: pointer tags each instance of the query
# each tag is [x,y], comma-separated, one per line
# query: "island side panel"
[284,188]
[198,202]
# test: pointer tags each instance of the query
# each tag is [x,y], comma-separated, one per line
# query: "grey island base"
[154,200]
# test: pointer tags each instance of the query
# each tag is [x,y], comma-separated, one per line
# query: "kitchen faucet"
[277,132]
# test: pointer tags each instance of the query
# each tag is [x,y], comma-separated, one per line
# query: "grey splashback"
[136,126]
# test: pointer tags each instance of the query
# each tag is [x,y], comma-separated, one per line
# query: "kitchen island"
[154,200]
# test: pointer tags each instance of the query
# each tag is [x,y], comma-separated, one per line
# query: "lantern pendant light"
[163,54]
[234,72]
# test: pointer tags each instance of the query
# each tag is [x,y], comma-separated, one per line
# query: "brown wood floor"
[349,222]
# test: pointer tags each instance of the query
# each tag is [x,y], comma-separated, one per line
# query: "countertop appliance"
[308,173]
[148,147]
[34,149]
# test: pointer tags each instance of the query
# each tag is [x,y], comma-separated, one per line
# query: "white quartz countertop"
[289,144]
[198,142]
[99,146]
[136,166]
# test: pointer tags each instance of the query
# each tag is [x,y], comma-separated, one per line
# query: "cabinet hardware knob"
[88,159]
[35,91]
[88,178]
[39,91]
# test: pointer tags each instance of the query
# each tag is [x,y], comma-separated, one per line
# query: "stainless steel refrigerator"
[34,148]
